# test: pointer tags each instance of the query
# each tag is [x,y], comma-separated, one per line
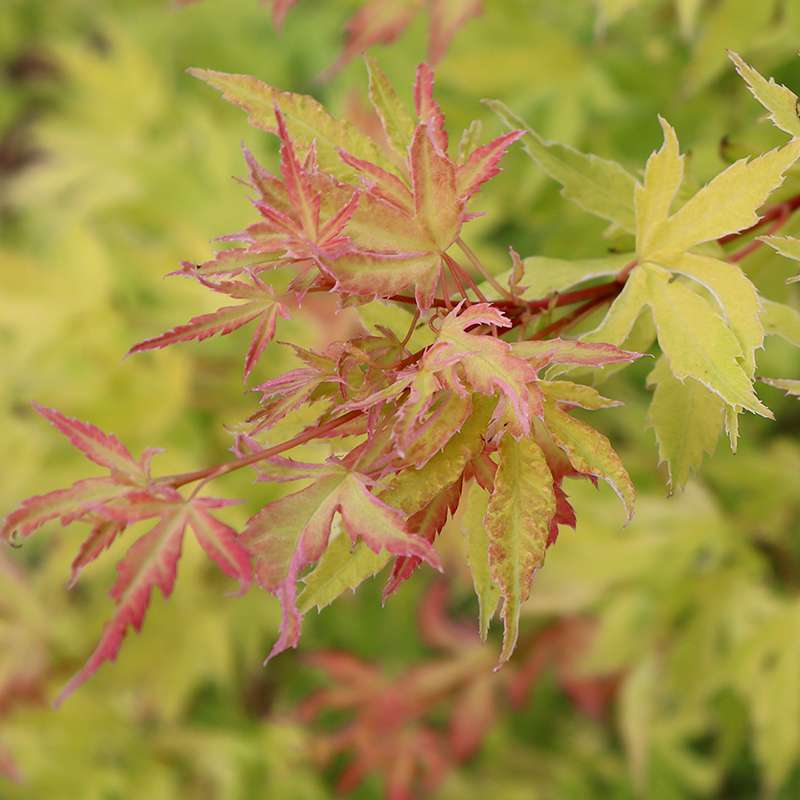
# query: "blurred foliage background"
[115,166]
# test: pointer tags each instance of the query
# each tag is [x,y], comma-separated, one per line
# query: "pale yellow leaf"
[663,176]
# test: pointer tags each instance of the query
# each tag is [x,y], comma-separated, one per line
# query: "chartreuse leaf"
[344,567]
[663,176]
[470,518]
[697,343]
[781,320]
[736,296]
[601,187]
[727,204]
[787,246]
[518,516]
[687,419]
[780,101]
[306,119]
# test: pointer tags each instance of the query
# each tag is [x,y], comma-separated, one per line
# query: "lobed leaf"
[601,187]
[517,521]
[782,103]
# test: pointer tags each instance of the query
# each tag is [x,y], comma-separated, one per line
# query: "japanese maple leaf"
[406,222]
[304,213]
[382,21]
[111,504]
[467,361]
[292,533]
[260,305]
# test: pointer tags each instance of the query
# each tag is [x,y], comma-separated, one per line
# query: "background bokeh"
[115,165]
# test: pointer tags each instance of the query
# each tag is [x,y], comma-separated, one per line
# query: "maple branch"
[611,291]
[210,473]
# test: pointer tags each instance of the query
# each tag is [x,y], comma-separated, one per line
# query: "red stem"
[229,466]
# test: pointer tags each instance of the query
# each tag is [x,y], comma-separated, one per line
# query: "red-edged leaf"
[81,498]
[434,179]
[382,183]
[102,448]
[102,536]
[379,275]
[305,202]
[221,543]
[292,533]
[447,16]
[428,110]
[151,561]
[571,353]
[482,164]
[376,22]
[263,335]
[486,364]
[222,321]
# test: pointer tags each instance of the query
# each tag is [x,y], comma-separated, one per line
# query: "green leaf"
[341,567]
[306,119]
[599,186]
[782,103]
[687,419]
[663,176]
[518,517]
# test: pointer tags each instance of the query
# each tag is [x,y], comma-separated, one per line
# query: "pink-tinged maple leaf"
[260,305]
[571,353]
[102,448]
[468,361]
[103,534]
[382,21]
[152,561]
[376,22]
[304,214]
[406,221]
[111,504]
[447,16]
[292,533]
[428,419]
